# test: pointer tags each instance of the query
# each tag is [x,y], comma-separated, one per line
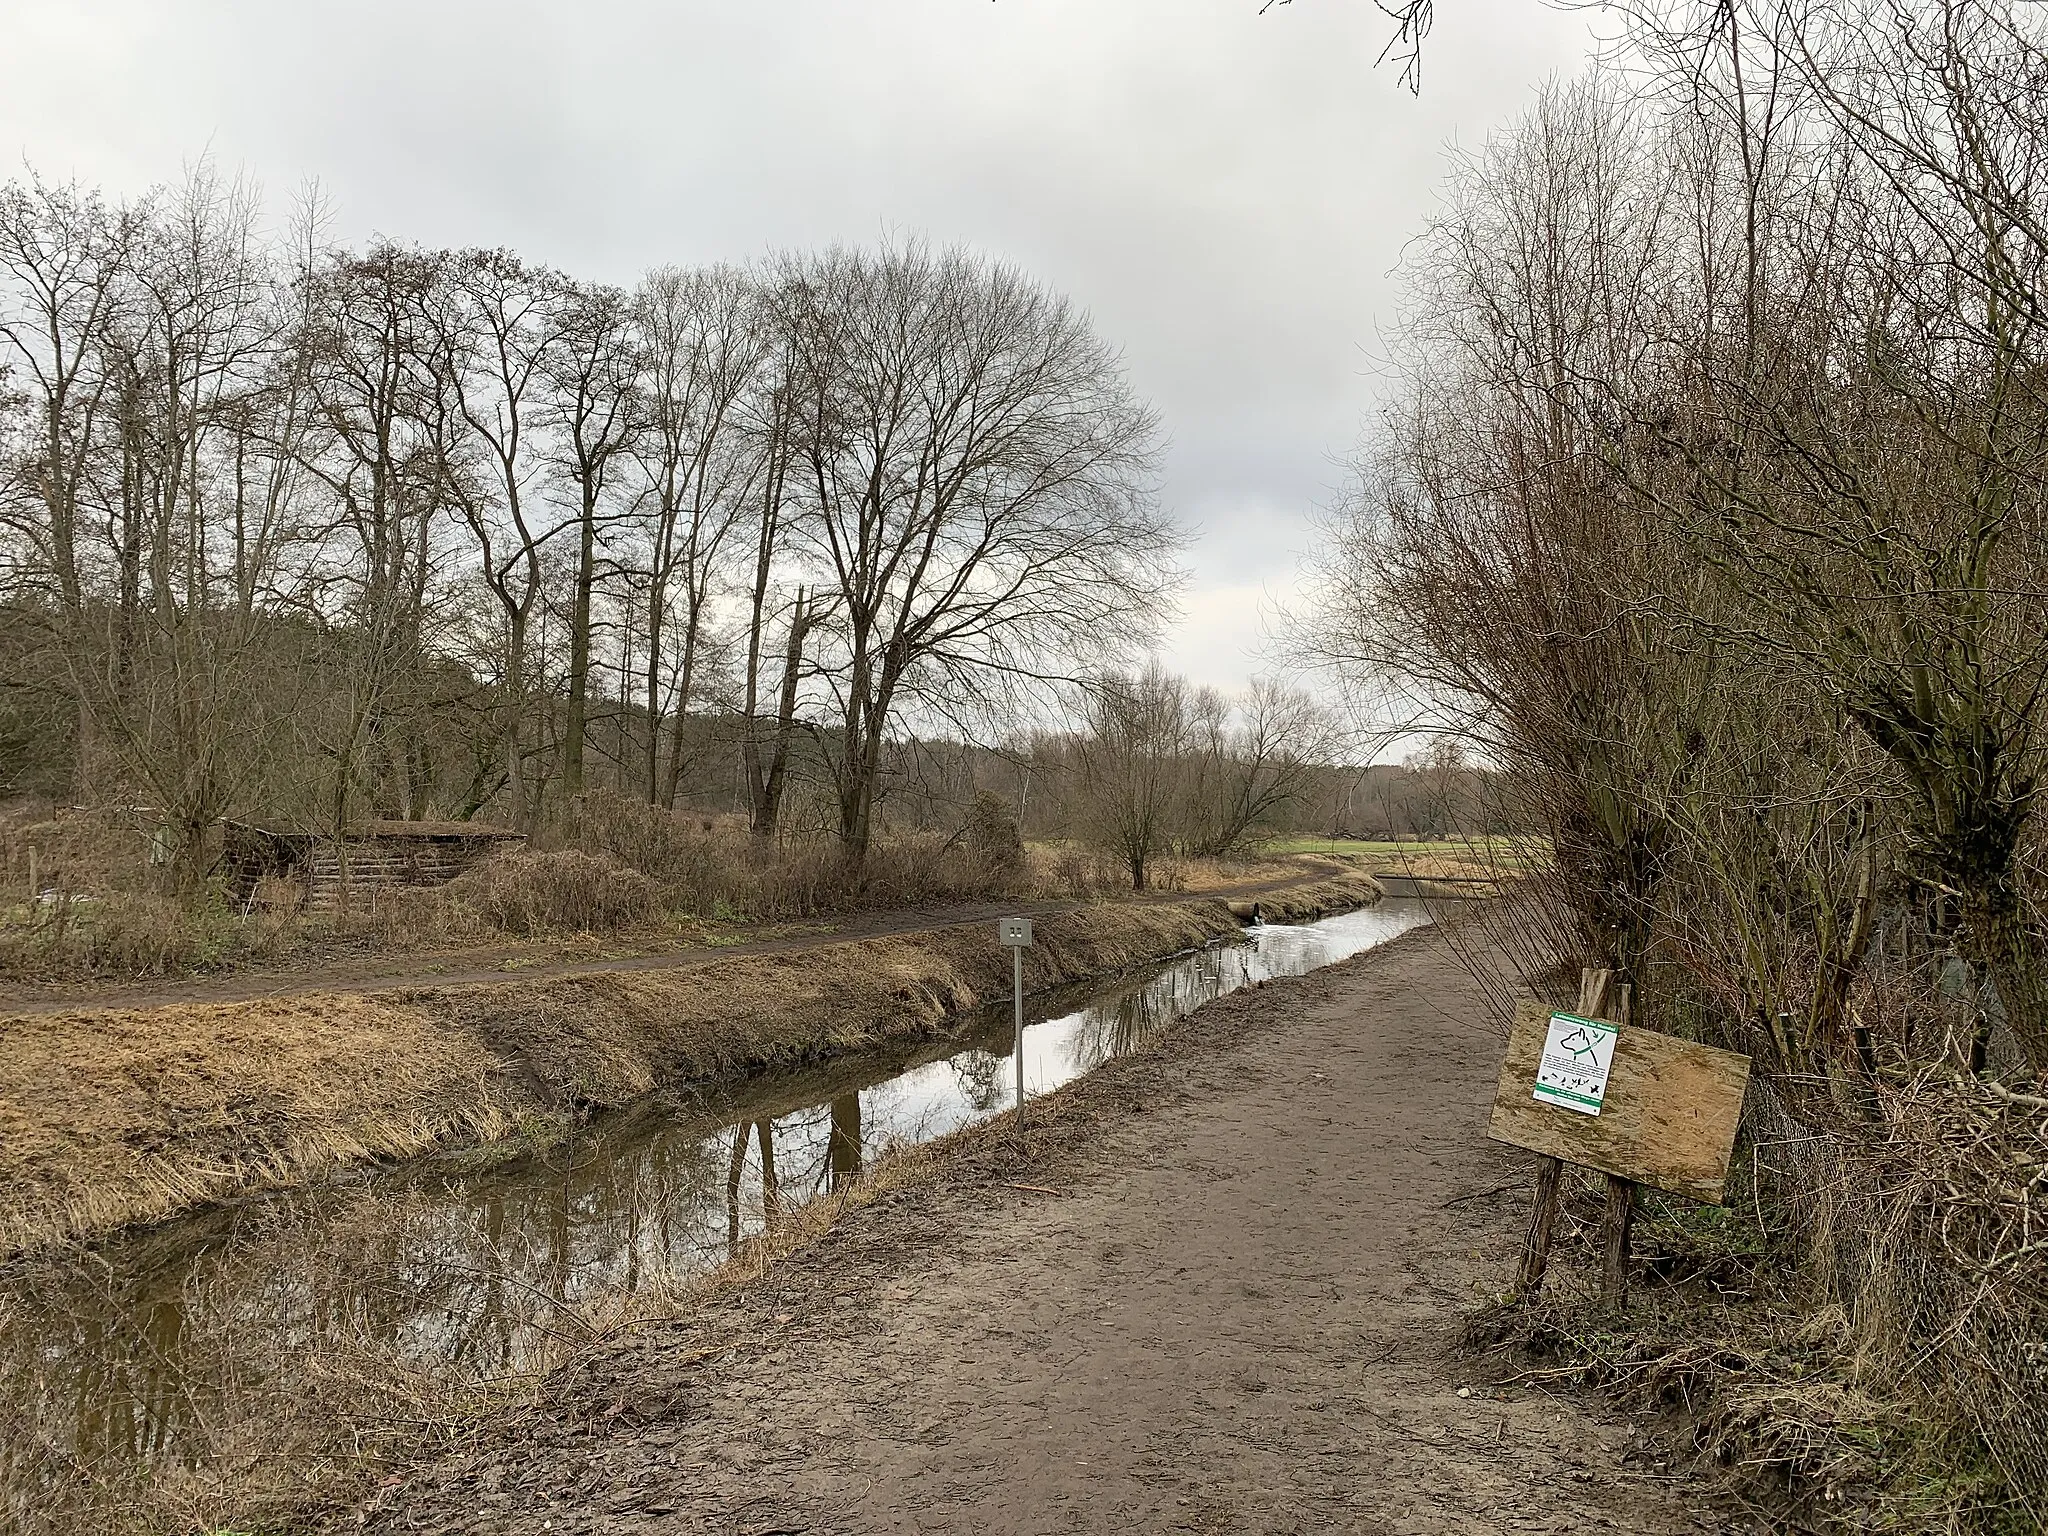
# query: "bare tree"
[64,254]
[596,415]
[1133,759]
[500,334]
[382,444]
[701,341]
[1250,758]
[770,421]
[976,477]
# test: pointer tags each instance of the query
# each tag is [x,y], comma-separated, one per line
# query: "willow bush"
[1711,509]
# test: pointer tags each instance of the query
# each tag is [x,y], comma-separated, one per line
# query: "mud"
[1216,1287]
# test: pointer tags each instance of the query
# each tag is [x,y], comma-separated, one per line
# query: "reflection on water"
[122,1355]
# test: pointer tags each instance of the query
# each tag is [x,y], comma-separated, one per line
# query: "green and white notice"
[1576,1055]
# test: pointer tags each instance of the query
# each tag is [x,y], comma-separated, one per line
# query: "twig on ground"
[1478,1194]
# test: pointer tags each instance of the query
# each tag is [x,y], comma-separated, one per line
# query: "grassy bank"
[1304,904]
[112,1117]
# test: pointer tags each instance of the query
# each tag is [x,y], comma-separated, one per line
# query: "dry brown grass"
[88,851]
[1075,870]
[1178,876]
[115,1116]
[614,866]
[67,936]
[1303,904]
[562,892]
[119,1116]
[712,867]
[78,899]
[1857,1337]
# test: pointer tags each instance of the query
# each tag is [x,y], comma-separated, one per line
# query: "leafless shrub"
[94,852]
[1712,513]
[565,892]
[64,936]
[690,857]
[713,868]
[992,835]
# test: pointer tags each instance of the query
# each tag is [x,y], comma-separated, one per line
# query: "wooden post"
[1621,1206]
[1017,993]
[1593,985]
[1542,1224]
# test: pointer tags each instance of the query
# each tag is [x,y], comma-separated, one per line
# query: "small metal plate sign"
[1015,932]
[1577,1054]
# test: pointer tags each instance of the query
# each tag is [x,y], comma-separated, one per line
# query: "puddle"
[142,1351]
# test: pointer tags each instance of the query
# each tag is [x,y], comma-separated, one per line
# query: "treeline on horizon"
[328,534]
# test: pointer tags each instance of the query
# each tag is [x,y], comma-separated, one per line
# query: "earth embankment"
[111,1117]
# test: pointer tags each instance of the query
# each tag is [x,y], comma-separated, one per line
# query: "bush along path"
[1216,1286]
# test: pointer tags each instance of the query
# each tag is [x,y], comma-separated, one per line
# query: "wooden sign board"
[1667,1119]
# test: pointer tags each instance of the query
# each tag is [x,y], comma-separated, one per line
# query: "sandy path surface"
[1237,1313]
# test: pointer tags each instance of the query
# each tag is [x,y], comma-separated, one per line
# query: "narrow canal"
[460,1269]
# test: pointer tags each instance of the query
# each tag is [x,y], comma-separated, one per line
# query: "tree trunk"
[2001,942]
[685,681]
[766,786]
[579,654]
[857,796]
[515,725]
[656,602]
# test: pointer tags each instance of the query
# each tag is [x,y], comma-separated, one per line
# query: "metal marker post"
[1015,933]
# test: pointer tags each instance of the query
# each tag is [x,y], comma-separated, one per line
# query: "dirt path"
[1237,1313]
[330,972]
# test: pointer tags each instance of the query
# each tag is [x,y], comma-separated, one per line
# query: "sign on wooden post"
[1665,1113]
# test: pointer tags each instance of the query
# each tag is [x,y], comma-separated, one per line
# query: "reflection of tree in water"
[983,1083]
[143,1351]
[1120,1025]
[843,1147]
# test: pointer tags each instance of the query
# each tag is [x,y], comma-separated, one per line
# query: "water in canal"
[134,1352]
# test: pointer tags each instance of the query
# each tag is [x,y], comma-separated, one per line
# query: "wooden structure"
[375,855]
[1668,1119]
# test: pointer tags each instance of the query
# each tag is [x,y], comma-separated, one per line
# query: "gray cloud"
[1227,193]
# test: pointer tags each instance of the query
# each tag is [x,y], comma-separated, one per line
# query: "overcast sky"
[1226,192]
